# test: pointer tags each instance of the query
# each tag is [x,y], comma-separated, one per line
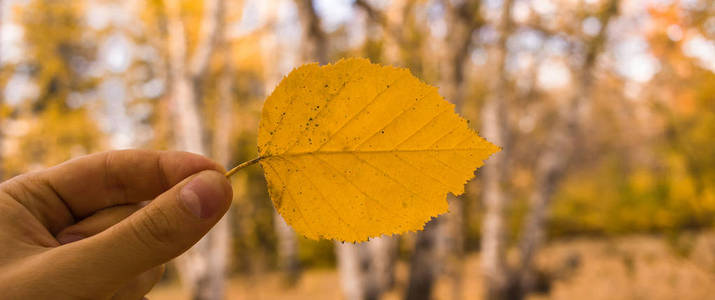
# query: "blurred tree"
[440,246]
[560,145]
[495,128]
[352,258]
[402,41]
[365,268]
[203,267]
[288,260]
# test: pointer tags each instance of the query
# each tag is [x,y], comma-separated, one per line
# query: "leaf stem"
[242,165]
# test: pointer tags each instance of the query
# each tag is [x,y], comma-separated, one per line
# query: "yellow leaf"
[357,150]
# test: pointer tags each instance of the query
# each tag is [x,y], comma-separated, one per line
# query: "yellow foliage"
[356,150]
[55,135]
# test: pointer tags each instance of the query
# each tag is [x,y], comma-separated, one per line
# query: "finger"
[141,285]
[73,190]
[96,223]
[113,178]
[162,230]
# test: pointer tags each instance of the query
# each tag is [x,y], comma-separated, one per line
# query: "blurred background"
[605,109]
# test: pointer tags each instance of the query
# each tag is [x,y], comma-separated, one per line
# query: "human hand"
[79,230]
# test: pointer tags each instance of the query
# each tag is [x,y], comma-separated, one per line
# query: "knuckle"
[153,227]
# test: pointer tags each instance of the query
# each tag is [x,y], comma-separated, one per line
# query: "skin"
[102,226]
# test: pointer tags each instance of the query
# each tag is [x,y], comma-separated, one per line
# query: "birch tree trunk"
[365,268]
[222,233]
[287,247]
[383,250]
[439,248]
[287,250]
[353,259]
[495,128]
[561,144]
[353,266]
[203,267]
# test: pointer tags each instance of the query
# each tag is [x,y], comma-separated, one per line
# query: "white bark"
[287,249]
[495,128]
[440,245]
[353,261]
[383,256]
[203,267]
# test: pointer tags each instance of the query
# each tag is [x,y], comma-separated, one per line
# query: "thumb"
[155,234]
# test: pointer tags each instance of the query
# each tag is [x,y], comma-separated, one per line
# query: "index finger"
[90,183]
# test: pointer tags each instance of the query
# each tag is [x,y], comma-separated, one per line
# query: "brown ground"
[636,267]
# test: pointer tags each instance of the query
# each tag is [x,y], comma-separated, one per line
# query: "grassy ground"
[635,267]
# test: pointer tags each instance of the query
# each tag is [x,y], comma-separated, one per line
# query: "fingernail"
[69,238]
[203,195]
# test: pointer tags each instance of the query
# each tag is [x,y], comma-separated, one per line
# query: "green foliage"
[676,194]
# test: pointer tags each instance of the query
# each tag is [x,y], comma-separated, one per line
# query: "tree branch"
[315,44]
[372,13]
[211,31]
[394,32]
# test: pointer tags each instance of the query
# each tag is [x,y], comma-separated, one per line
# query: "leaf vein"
[325,200]
[358,188]
[434,118]
[284,184]
[389,123]
[327,102]
[390,176]
[361,110]
[409,163]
